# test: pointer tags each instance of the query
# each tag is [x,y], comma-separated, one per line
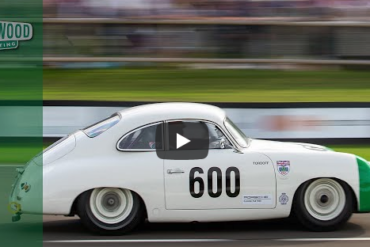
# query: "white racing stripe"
[203,240]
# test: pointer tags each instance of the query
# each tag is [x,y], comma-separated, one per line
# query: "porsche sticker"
[283,167]
[257,199]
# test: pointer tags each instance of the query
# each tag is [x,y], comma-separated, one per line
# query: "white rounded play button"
[185,141]
[181,141]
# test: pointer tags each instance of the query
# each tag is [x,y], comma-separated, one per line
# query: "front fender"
[305,166]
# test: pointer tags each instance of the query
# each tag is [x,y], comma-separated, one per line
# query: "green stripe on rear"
[364,173]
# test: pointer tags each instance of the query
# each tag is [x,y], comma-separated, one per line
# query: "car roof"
[166,111]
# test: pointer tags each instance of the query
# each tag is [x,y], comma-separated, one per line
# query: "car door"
[139,166]
[225,179]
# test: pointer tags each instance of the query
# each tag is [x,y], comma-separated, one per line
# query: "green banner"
[21,92]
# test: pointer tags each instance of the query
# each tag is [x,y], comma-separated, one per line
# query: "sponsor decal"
[260,163]
[26,187]
[257,199]
[13,32]
[283,167]
[283,199]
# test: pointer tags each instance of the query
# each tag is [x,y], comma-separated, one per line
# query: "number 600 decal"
[199,180]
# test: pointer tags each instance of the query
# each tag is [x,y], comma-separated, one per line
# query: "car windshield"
[102,126]
[238,135]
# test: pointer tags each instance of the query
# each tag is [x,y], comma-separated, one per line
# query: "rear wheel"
[110,210]
[323,204]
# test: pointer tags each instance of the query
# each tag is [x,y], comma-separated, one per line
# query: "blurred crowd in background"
[207,8]
[268,29]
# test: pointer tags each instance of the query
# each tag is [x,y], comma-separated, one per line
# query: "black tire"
[309,221]
[92,223]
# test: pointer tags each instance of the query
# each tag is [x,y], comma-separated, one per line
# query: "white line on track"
[141,241]
[321,239]
[203,240]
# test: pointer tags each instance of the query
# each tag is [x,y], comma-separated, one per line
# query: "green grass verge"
[18,154]
[206,85]
[359,150]
[22,154]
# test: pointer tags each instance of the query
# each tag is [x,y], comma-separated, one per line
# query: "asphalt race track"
[68,232]
[60,231]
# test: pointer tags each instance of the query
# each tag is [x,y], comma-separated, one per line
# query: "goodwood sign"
[13,32]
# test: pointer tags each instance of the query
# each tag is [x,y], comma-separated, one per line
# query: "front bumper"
[14,206]
[16,217]
[364,177]
[26,192]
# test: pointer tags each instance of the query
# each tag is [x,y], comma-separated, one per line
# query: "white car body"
[80,163]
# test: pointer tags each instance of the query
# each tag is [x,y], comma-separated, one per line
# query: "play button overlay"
[181,141]
[184,140]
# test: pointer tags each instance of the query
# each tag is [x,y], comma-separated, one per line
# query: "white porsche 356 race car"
[131,167]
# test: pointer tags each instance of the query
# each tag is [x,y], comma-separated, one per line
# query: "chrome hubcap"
[325,199]
[111,205]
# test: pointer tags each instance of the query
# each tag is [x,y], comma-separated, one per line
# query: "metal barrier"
[210,21]
[189,60]
[208,60]
[202,21]
[268,121]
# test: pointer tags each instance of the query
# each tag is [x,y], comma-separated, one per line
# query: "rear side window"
[142,139]
[102,126]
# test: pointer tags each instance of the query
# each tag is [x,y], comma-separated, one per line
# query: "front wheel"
[111,211]
[323,204]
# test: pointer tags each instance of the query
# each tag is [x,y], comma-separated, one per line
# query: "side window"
[142,139]
[217,140]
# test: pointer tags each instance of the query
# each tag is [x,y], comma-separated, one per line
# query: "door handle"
[174,171]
